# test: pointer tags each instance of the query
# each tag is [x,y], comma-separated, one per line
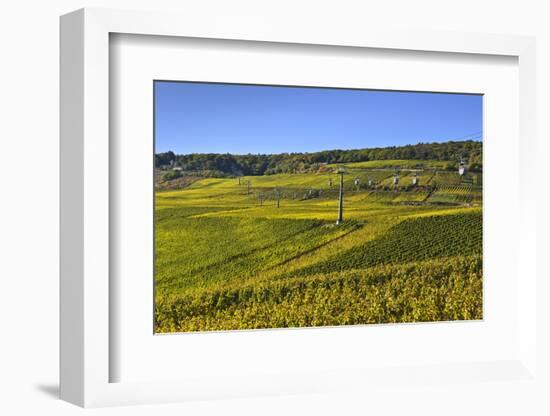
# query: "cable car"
[462,167]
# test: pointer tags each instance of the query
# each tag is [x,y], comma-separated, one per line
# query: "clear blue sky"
[240,119]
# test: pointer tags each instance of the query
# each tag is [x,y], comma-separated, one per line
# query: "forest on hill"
[222,165]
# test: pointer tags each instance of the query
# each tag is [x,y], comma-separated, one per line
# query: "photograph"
[303,206]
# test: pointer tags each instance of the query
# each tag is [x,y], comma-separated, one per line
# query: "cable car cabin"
[462,168]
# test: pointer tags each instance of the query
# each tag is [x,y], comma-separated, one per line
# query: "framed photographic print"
[285,206]
[264,211]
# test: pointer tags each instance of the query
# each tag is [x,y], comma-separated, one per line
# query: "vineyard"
[467,194]
[412,240]
[265,251]
[433,290]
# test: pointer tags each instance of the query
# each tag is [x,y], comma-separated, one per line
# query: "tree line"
[216,164]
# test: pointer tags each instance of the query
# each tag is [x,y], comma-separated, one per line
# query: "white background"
[29,205]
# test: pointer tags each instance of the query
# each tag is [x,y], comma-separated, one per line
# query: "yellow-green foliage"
[411,240]
[226,248]
[463,193]
[436,290]
[227,257]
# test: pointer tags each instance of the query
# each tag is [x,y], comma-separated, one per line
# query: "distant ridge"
[267,164]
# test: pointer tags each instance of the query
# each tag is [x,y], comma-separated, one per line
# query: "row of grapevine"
[212,249]
[410,240]
[433,290]
[462,194]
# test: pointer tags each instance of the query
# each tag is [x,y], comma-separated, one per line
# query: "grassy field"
[265,251]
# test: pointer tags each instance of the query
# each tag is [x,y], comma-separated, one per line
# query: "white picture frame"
[86,355]
[138,60]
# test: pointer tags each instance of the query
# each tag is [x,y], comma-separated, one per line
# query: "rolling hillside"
[264,251]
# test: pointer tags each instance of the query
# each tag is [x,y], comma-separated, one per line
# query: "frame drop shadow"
[51,390]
